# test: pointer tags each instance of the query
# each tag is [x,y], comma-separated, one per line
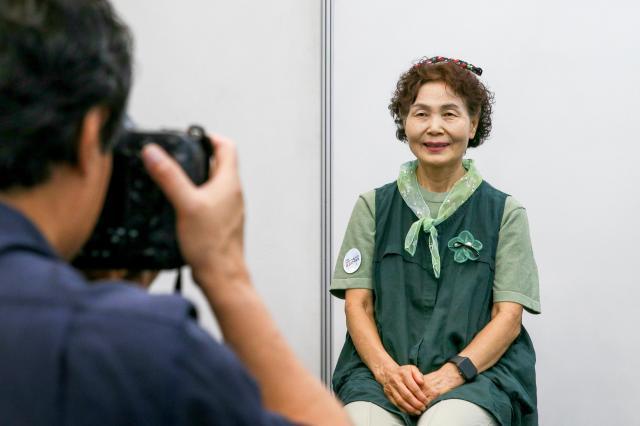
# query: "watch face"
[467,369]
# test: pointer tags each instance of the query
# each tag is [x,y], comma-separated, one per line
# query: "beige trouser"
[450,412]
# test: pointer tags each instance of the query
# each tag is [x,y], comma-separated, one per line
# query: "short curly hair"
[477,98]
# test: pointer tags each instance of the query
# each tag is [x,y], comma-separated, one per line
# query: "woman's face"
[438,126]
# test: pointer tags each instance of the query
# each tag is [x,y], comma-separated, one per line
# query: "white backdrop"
[251,71]
[565,144]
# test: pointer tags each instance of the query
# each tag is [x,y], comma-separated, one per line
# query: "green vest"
[424,321]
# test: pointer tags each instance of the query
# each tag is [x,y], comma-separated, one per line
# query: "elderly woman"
[436,268]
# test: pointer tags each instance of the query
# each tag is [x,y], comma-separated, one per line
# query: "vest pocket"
[405,279]
[488,260]
[471,284]
[396,250]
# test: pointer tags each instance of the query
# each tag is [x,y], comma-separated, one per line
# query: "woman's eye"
[449,114]
[420,114]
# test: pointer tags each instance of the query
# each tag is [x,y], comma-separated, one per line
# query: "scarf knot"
[428,225]
[412,196]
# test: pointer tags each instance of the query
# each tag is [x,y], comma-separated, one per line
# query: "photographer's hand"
[210,218]
[143,278]
[210,224]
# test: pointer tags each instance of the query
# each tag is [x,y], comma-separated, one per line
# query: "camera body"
[136,229]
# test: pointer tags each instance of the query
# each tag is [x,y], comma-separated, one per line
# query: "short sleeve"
[215,388]
[360,235]
[516,278]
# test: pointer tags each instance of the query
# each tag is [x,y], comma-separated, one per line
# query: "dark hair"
[58,58]
[477,98]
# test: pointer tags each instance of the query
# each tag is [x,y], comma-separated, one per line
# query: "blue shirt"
[111,354]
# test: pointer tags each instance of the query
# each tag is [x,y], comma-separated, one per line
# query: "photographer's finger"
[167,174]
[225,155]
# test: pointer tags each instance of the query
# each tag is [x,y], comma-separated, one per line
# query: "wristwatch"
[467,370]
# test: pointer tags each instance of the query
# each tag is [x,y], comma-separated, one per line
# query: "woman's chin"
[438,161]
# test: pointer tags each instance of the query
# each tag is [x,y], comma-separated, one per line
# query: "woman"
[436,269]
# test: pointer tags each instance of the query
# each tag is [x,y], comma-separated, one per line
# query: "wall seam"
[326,191]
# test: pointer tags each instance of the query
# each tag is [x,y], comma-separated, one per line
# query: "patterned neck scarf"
[410,192]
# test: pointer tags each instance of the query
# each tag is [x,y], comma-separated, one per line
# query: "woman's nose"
[434,126]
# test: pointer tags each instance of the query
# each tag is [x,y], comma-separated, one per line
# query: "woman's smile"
[438,127]
[436,147]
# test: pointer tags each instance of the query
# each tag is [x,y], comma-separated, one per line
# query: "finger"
[412,402]
[417,393]
[410,383]
[391,398]
[397,400]
[167,174]
[414,382]
[225,155]
[146,277]
[104,274]
[426,388]
[417,375]
[392,395]
[429,392]
[430,400]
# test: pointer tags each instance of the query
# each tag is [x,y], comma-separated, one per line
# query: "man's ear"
[89,143]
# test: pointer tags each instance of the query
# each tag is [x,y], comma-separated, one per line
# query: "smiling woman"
[438,128]
[434,307]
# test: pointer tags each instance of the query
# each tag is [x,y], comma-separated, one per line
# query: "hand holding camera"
[209,217]
[193,213]
[136,229]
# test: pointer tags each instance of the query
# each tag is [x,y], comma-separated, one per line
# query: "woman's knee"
[456,412]
[364,413]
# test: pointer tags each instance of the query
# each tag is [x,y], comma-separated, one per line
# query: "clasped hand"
[411,391]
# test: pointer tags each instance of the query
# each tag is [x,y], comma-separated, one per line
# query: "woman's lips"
[435,147]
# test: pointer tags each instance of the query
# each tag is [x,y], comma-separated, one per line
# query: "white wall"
[565,144]
[249,70]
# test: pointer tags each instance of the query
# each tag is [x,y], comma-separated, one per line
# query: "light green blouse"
[516,273]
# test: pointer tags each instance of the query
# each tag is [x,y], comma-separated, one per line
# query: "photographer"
[111,354]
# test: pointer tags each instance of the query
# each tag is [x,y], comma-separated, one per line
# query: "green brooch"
[465,247]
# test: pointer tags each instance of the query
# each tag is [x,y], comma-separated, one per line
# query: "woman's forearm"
[484,351]
[488,346]
[362,328]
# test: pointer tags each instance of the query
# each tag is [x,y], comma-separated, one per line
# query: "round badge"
[352,261]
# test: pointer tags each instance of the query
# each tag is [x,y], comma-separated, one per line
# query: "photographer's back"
[104,353]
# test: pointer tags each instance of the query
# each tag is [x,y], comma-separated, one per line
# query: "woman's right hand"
[402,386]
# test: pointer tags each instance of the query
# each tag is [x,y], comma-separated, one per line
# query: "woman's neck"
[439,179]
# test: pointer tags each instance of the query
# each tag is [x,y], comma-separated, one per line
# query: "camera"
[136,229]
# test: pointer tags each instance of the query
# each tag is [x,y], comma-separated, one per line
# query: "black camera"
[136,229]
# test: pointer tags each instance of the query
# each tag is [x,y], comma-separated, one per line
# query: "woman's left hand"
[441,381]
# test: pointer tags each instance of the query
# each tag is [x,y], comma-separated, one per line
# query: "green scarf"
[410,192]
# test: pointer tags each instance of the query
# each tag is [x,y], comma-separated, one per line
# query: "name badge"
[352,261]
